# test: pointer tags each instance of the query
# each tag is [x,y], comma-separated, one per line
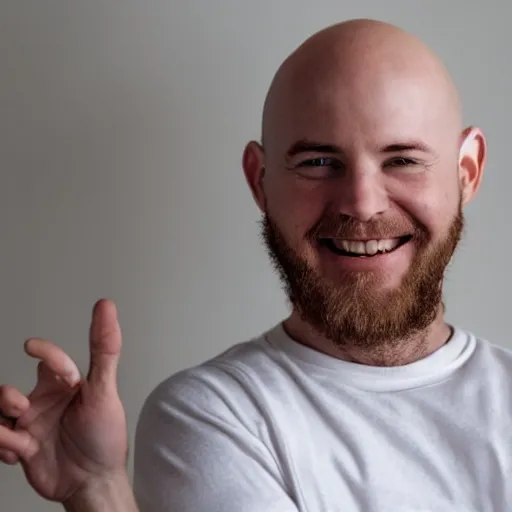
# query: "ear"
[254,170]
[472,159]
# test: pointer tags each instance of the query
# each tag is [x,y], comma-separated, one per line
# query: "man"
[364,399]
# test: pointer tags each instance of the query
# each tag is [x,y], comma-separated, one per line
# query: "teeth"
[383,245]
[389,244]
[357,247]
[370,247]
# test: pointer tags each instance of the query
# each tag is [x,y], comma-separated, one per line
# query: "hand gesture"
[69,431]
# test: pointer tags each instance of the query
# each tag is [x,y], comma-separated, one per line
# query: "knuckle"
[8,392]
[5,390]
[105,332]
[29,447]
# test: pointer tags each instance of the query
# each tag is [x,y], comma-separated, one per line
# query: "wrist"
[107,493]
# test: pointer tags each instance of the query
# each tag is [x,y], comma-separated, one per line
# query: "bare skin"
[70,435]
[363,86]
[360,86]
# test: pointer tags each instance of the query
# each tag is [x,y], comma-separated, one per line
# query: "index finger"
[54,358]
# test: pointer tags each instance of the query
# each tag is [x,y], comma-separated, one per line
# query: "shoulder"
[227,385]
[201,440]
[493,357]
[492,348]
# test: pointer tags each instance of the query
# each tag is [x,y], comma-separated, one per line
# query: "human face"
[353,313]
[354,171]
[361,179]
[354,166]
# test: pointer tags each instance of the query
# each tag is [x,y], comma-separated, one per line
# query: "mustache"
[346,227]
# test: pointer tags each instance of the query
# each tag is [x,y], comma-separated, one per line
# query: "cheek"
[296,209]
[434,211]
[431,198]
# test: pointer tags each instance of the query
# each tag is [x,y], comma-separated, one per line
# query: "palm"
[74,432]
[78,434]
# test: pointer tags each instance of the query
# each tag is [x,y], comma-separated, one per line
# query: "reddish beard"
[352,313]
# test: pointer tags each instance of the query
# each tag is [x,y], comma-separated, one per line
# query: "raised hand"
[70,432]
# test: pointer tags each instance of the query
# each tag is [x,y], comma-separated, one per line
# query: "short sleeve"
[194,454]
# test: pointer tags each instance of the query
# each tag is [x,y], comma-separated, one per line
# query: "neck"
[404,352]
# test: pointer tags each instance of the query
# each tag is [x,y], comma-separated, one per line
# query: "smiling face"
[360,306]
[361,179]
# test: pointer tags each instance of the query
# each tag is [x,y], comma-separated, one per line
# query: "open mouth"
[364,248]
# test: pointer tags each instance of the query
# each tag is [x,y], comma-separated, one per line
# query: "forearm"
[112,494]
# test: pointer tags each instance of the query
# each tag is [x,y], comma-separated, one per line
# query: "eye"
[319,168]
[400,162]
[321,162]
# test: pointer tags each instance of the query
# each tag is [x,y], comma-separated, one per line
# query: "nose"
[362,194]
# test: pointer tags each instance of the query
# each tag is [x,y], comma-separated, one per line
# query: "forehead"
[369,110]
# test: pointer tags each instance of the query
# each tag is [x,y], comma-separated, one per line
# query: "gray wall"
[121,130]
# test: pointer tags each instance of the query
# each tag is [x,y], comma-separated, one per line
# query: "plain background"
[122,125]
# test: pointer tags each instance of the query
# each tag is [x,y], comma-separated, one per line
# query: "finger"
[44,373]
[50,397]
[48,383]
[8,421]
[54,358]
[20,442]
[105,344]
[8,457]
[13,403]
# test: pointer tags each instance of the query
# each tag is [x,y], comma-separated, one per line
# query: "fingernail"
[16,410]
[72,379]
[72,375]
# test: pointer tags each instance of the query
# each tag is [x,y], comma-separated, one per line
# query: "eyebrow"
[310,146]
[408,146]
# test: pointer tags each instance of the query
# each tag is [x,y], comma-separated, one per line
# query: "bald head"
[363,143]
[355,63]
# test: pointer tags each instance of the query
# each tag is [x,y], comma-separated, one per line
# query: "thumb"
[105,345]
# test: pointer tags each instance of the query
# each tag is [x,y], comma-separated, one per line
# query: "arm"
[195,451]
[112,494]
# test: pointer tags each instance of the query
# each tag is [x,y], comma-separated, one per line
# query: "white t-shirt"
[271,425]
